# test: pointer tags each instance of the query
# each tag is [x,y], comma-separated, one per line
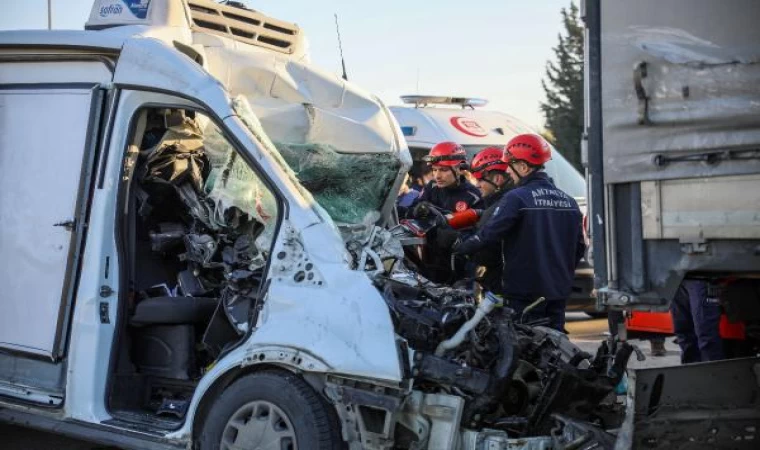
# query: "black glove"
[446,237]
[422,210]
[439,220]
[467,246]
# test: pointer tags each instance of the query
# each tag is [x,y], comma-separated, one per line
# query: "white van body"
[312,347]
[76,91]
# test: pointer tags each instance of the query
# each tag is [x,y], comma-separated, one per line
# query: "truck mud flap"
[705,405]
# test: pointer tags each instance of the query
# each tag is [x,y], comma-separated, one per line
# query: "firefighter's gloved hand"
[446,237]
[422,210]
[439,220]
[467,246]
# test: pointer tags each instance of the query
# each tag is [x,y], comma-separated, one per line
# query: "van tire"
[314,422]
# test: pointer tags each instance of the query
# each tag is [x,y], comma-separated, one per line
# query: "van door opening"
[197,230]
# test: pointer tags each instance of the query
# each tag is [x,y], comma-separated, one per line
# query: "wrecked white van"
[198,251]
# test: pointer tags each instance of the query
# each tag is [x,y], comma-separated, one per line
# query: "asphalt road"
[586,332]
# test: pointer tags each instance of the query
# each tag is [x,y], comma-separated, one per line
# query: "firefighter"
[540,231]
[490,173]
[447,193]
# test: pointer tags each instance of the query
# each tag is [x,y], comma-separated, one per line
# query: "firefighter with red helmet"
[490,172]
[540,231]
[447,193]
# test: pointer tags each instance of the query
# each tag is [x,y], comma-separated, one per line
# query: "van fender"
[293,359]
[242,361]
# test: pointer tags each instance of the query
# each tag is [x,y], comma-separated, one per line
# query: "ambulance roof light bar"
[421,101]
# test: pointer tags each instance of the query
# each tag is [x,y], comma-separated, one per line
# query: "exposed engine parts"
[514,379]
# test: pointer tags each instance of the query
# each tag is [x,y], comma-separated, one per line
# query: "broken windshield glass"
[232,183]
[350,187]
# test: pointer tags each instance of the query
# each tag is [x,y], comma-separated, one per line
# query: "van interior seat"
[164,335]
[173,311]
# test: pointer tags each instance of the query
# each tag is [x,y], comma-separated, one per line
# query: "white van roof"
[74,39]
[296,102]
[251,54]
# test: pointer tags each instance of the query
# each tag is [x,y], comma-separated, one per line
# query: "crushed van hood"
[342,142]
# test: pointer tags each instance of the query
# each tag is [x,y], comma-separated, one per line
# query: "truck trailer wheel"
[270,411]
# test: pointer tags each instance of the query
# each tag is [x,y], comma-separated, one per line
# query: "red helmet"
[530,148]
[487,159]
[447,154]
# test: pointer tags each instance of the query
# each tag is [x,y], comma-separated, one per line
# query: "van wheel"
[270,411]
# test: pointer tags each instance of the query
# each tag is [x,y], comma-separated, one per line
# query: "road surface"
[584,331]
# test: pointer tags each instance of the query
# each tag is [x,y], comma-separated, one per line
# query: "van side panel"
[43,140]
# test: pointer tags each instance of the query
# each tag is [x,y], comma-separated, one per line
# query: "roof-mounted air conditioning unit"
[244,25]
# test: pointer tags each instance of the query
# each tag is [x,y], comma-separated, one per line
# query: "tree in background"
[563,86]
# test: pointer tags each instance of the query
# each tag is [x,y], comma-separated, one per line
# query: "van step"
[145,421]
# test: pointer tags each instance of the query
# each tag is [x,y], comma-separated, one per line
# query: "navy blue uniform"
[541,235]
[454,198]
[459,197]
[696,318]
[490,257]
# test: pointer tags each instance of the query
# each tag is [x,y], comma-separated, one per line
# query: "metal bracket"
[645,301]
[106,291]
[104,313]
[693,246]
[639,73]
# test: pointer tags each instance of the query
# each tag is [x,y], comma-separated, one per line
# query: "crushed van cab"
[199,251]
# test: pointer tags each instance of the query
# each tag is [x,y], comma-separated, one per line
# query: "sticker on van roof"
[138,7]
[468,126]
[116,8]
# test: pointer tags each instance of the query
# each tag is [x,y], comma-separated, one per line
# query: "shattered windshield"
[232,183]
[350,187]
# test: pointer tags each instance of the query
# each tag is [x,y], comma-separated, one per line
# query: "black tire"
[597,314]
[314,422]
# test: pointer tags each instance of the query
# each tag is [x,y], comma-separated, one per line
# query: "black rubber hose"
[500,375]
